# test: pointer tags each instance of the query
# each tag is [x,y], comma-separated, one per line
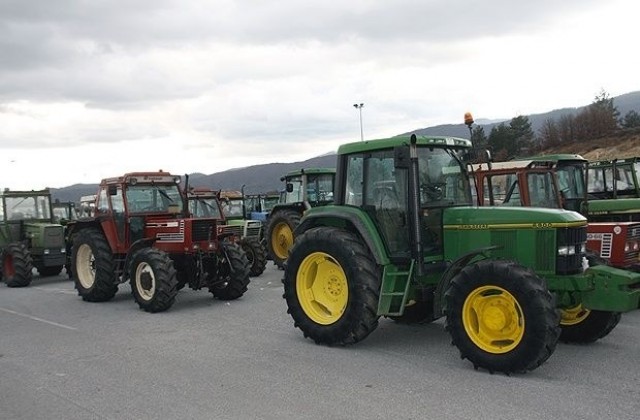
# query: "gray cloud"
[236,70]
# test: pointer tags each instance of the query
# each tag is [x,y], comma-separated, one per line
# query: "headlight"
[567,250]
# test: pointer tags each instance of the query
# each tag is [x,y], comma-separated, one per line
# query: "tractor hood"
[618,205]
[510,217]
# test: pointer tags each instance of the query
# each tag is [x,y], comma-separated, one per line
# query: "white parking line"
[38,319]
[64,291]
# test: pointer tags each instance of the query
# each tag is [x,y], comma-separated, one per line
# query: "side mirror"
[113,190]
[289,187]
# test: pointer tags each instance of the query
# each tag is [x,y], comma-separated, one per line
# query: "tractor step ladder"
[393,294]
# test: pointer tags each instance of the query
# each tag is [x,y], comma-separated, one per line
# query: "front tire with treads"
[584,326]
[501,316]
[153,278]
[279,234]
[255,254]
[233,274]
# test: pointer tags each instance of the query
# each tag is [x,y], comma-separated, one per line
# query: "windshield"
[319,188]
[66,212]
[269,202]
[571,181]
[153,198]
[601,178]
[33,207]
[232,207]
[205,207]
[442,181]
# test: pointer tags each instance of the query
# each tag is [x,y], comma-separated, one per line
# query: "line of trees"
[516,138]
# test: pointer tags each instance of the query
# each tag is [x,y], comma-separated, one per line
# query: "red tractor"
[143,232]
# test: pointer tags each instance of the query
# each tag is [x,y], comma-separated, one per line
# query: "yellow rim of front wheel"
[573,315]
[282,240]
[493,319]
[322,288]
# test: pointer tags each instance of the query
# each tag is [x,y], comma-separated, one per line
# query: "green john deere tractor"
[403,240]
[304,189]
[29,237]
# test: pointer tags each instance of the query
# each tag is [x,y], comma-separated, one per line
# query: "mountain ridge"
[266,177]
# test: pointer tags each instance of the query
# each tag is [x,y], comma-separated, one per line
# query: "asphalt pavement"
[63,358]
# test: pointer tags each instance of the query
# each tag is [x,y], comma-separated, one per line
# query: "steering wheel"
[434,190]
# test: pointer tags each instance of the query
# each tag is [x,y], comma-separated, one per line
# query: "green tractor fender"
[454,268]
[349,218]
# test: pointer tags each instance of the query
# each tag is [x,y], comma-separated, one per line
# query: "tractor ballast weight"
[304,189]
[143,233]
[500,276]
[29,237]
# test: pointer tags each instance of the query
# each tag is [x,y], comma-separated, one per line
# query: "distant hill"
[624,103]
[256,179]
[264,178]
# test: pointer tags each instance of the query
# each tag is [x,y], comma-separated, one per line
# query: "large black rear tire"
[233,274]
[332,286]
[17,265]
[583,326]
[255,254]
[93,266]
[153,279]
[279,234]
[501,316]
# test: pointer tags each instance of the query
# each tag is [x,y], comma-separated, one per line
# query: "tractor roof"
[159,177]
[626,161]
[388,143]
[230,194]
[10,193]
[310,171]
[557,158]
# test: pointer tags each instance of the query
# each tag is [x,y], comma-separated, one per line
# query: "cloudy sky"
[96,88]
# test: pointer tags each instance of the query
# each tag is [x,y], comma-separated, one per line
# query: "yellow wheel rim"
[85,266]
[282,240]
[493,319]
[573,315]
[322,288]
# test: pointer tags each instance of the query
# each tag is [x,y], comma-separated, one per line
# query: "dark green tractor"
[304,189]
[402,240]
[616,178]
[29,237]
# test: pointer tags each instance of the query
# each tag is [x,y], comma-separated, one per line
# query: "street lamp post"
[359,108]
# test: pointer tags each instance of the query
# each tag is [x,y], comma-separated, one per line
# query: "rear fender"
[351,219]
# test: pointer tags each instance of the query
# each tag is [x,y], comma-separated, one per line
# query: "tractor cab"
[617,178]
